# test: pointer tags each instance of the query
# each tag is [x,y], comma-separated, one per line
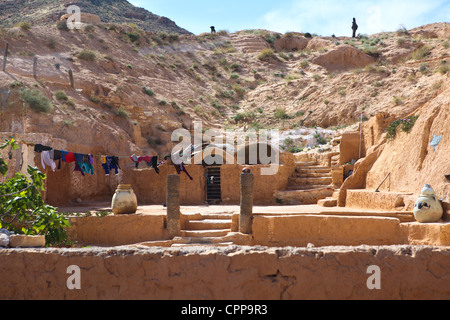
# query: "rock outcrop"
[344,57]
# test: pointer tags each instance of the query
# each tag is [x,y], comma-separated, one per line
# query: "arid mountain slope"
[135,87]
[47,12]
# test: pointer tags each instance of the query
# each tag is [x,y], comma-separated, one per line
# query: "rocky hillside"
[47,12]
[134,87]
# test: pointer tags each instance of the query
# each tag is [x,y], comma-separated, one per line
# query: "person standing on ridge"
[213,29]
[354,28]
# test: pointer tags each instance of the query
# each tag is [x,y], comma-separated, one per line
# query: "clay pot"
[124,200]
[428,208]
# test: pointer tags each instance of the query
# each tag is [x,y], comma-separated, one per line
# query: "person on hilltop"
[354,28]
[213,29]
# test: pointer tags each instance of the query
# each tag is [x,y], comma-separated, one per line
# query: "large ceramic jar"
[124,200]
[428,208]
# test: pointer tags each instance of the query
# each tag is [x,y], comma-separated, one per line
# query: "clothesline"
[94,155]
[84,162]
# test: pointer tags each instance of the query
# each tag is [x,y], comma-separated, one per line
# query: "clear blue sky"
[323,17]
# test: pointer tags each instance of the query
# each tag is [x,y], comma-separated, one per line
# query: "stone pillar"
[5,55]
[246,213]
[337,176]
[173,205]
[35,60]
[71,79]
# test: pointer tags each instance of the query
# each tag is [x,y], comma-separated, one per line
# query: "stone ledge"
[367,199]
[23,241]
[325,230]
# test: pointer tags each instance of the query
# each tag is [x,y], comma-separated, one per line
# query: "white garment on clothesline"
[47,160]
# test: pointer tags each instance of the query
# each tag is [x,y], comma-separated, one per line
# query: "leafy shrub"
[133,36]
[421,53]
[120,112]
[148,92]
[280,113]
[244,116]
[62,25]
[16,84]
[22,209]
[61,95]
[406,125]
[444,67]
[94,99]
[266,55]
[24,25]
[36,100]
[87,55]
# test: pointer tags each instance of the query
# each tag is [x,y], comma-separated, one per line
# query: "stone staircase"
[309,184]
[204,229]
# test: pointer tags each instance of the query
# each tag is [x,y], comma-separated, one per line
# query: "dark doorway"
[213,189]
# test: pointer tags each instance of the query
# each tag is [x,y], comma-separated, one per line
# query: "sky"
[322,17]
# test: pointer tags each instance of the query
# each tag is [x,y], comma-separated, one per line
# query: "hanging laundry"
[151,161]
[78,163]
[56,155]
[68,156]
[86,164]
[39,148]
[181,168]
[154,163]
[110,164]
[47,160]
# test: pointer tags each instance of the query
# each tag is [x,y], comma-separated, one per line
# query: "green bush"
[120,112]
[406,125]
[148,92]
[266,55]
[133,36]
[22,209]
[280,113]
[24,25]
[87,55]
[421,53]
[36,100]
[61,95]
[62,25]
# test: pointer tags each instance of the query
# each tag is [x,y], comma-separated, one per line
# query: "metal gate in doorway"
[213,189]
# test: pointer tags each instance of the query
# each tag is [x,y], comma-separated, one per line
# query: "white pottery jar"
[428,208]
[124,200]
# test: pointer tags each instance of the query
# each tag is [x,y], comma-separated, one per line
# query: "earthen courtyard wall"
[232,273]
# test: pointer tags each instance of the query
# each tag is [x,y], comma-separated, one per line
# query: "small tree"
[22,209]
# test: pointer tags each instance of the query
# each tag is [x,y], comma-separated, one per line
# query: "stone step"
[310,181]
[207,224]
[316,169]
[327,202]
[311,187]
[204,233]
[202,216]
[298,197]
[218,244]
[306,164]
[312,175]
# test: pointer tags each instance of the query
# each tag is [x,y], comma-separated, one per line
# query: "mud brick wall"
[234,272]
